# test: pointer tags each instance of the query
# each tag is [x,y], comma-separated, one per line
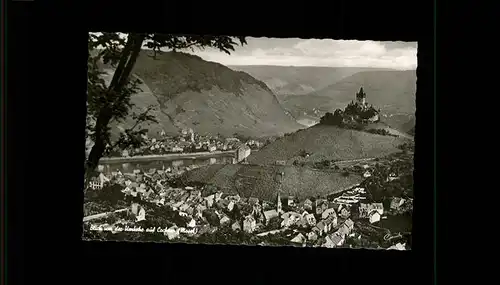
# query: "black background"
[45,138]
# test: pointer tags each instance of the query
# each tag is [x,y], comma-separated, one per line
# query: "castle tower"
[361,97]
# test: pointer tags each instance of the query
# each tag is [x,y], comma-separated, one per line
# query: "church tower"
[279,206]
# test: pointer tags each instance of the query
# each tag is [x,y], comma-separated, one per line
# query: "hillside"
[326,143]
[141,101]
[208,97]
[401,121]
[298,80]
[409,126]
[391,91]
[259,180]
[302,107]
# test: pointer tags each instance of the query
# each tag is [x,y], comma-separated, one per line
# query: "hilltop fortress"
[361,110]
[357,113]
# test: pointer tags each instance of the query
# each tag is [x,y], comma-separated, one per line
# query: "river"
[128,167]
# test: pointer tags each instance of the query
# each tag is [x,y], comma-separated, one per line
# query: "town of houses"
[316,222]
[186,142]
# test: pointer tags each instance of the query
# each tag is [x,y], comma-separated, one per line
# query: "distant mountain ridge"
[299,80]
[392,91]
[208,97]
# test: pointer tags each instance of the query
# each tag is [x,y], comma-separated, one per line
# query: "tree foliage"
[335,119]
[109,102]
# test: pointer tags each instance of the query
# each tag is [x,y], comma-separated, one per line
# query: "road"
[355,160]
[166,157]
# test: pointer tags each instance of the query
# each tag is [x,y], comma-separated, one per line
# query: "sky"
[318,52]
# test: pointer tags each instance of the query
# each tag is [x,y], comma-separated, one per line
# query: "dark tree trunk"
[120,79]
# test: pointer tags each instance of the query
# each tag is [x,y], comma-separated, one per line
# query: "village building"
[312,236]
[134,208]
[290,218]
[243,152]
[259,226]
[334,240]
[232,140]
[253,201]
[269,215]
[396,203]
[149,194]
[218,196]
[374,217]
[249,224]
[289,201]
[125,153]
[191,223]
[222,204]
[345,212]
[328,212]
[379,207]
[322,226]
[391,177]
[335,206]
[280,162]
[177,149]
[343,230]
[190,210]
[349,224]
[210,200]
[225,220]
[236,226]
[236,198]
[141,216]
[299,239]
[230,206]
[398,246]
[259,216]
[331,221]
[198,210]
[308,205]
[302,222]
[311,220]
[367,174]
[95,183]
[363,210]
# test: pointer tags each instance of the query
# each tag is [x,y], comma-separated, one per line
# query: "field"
[260,180]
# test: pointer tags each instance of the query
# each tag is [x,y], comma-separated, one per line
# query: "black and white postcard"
[250,141]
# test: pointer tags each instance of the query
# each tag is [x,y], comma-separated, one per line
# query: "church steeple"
[279,208]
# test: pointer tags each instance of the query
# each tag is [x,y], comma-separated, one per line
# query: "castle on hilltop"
[360,108]
[355,114]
